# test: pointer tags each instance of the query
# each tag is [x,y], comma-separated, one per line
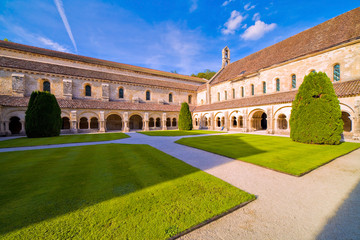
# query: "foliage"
[185,119]
[171,133]
[6,40]
[316,115]
[174,71]
[23,142]
[43,115]
[278,153]
[107,191]
[207,74]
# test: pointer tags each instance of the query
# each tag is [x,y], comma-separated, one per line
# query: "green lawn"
[24,141]
[172,133]
[111,191]
[278,153]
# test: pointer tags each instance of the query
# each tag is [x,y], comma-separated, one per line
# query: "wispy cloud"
[248,6]
[256,17]
[258,30]
[60,8]
[233,23]
[193,6]
[227,2]
[53,45]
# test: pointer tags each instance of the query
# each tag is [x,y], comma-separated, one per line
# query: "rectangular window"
[252,90]
[264,87]
[293,81]
[277,85]
[337,73]
[233,93]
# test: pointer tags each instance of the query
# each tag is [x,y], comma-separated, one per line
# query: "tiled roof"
[73,57]
[338,30]
[343,89]
[10,101]
[77,72]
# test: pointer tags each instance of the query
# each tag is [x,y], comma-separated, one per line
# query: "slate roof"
[77,72]
[338,30]
[342,89]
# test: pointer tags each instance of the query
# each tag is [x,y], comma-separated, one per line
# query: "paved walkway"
[324,204]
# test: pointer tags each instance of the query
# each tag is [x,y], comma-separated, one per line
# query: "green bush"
[43,115]
[185,119]
[316,115]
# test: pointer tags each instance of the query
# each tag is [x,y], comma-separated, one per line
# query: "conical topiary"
[185,119]
[43,116]
[316,115]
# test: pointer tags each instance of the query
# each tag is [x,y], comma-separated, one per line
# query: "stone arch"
[168,122]
[65,123]
[174,122]
[151,122]
[83,124]
[15,125]
[135,122]
[282,122]
[113,122]
[241,121]
[218,119]
[94,123]
[346,117]
[158,122]
[259,120]
[234,121]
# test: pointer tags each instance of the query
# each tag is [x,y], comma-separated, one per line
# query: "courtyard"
[116,188]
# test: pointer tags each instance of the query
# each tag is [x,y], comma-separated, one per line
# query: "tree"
[207,74]
[43,115]
[6,40]
[185,119]
[315,114]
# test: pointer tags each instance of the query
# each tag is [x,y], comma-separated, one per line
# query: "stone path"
[323,204]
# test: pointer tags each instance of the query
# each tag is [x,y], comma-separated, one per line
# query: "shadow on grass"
[42,184]
[346,223]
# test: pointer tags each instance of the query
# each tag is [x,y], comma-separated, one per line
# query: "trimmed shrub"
[185,119]
[315,114]
[43,115]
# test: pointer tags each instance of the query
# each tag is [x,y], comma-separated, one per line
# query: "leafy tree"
[207,74]
[316,115]
[43,115]
[185,119]
[6,40]
[174,71]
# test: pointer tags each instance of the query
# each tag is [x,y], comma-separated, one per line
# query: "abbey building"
[251,94]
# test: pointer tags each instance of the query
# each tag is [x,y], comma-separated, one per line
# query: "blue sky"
[186,36]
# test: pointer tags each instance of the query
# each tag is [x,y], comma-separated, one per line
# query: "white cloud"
[258,30]
[248,7]
[53,45]
[233,23]
[60,8]
[244,26]
[256,17]
[227,2]
[193,6]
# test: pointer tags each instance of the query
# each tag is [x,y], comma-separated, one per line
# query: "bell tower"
[225,57]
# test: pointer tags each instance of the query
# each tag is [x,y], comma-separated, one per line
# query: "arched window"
[277,85]
[241,121]
[282,122]
[158,122]
[336,72]
[218,96]
[148,96]
[168,122]
[234,121]
[170,97]
[65,123]
[252,90]
[293,81]
[151,122]
[264,87]
[233,93]
[88,90]
[46,86]
[174,122]
[189,99]
[83,123]
[94,124]
[225,95]
[242,92]
[205,121]
[196,122]
[121,93]
[218,121]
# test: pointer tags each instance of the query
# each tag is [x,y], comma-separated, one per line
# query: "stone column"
[227,122]
[246,123]
[356,121]
[22,131]
[146,122]
[126,122]
[212,120]
[73,119]
[102,122]
[7,130]
[2,128]
[270,121]
[164,122]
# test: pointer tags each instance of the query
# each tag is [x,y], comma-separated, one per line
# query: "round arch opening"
[259,120]
[15,125]
[136,122]
[113,122]
[347,121]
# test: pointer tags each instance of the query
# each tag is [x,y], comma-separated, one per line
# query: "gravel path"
[324,204]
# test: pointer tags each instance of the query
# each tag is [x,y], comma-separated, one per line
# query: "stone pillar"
[212,127]
[208,93]
[270,121]
[146,122]
[73,119]
[246,123]
[227,122]
[2,128]
[102,122]
[7,130]
[67,88]
[356,122]
[22,131]
[105,92]
[164,122]
[18,84]
[126,122]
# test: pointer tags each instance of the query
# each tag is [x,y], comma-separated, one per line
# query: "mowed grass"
[25,142]
[111,191]
[277,153]
[172,133]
